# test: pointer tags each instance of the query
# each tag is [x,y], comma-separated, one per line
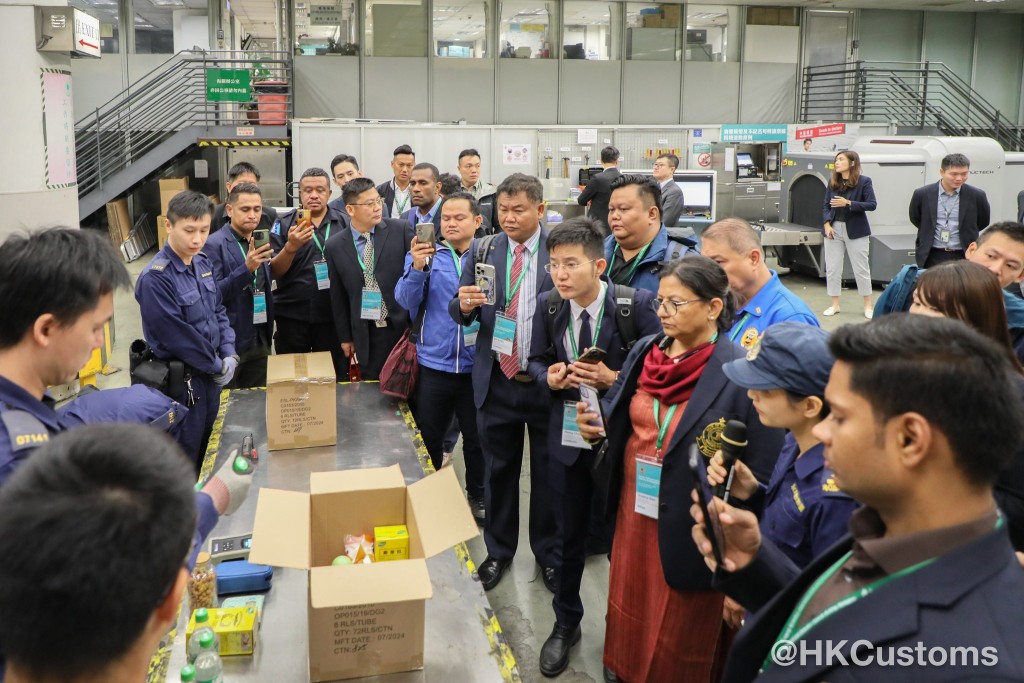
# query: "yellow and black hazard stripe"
[245,143]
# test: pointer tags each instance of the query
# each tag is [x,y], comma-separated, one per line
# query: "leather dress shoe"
[476,506]
[609,676]
[491,570]
[554,655]
[550,577]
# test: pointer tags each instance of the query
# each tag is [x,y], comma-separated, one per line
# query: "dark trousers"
[937,256]
[194,432]
[299,336]
[510,410]
[440,396]
[572,487]
[382,342]
[451,437]
[252,367]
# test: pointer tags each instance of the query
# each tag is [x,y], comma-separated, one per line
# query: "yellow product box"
[234,626]
[391,543]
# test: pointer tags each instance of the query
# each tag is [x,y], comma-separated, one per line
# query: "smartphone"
[592,355]
[592,398]
[302,215]
[485,280]
[425,233]
[712,525]
[260,237]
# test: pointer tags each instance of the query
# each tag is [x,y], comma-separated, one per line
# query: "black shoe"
[609,676]
[491,570]
[476,506]
[550,576]
[554,656]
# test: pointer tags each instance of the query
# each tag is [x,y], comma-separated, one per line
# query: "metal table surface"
[463,639]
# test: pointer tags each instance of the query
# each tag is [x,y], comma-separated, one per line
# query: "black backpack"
[625,321]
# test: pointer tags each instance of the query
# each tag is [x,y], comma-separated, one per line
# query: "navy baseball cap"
[789,355]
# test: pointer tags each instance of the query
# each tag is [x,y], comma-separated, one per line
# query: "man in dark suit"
[396,193]
[581,312]
[918,576]
[365,263]
[599,190]
[425,185]
[671,194]
[508,400]
[242,172]
[948,214]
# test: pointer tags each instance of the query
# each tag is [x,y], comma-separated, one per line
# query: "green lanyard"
[511,291]
[636,263]
[359,255]
[739,326]
[577,351]
[244,257]
[662,426]
[457,259]
[327,236]
[408,196]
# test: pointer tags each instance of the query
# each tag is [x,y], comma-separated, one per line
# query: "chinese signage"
[754,133]
[821,131]
[228,85]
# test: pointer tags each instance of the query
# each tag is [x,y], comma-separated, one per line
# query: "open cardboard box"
[365,619]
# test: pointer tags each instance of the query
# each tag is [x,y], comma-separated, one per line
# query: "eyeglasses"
[567,267]
[372,203]
[671,306]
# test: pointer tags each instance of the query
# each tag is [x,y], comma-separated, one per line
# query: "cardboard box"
[161,231]
[301,401]
[176,184]
[364,619]
[119,221]
[234,626]
[391,543]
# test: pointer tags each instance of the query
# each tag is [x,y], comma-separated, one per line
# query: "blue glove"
[227,371]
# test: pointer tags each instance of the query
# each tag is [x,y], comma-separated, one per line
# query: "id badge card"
[370,305]
[571,436]
[469,333]
[323,281]
[504,334]
[648,485]
[944,236]
[259,308]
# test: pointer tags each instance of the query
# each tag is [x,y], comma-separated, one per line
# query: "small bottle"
[209,668]
[202,628]
[202,585]
[188,674]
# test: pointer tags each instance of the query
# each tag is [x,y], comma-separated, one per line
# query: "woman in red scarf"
[664,622]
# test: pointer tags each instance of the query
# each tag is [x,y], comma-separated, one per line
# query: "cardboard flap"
[356,480]
[363,584]
[280,534]
[442,513]
[315,368]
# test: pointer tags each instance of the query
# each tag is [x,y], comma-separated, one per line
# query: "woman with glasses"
[664,622]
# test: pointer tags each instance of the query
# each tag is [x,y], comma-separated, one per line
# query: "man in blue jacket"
[640,245]
[242,272]
[445,349]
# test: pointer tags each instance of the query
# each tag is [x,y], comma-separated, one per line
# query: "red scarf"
[672,380]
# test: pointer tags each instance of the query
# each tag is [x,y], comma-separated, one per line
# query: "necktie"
[510,364]
[586,335]
[369,279]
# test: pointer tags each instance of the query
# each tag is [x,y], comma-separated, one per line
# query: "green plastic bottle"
[188,674]
[202,626]
[209,668]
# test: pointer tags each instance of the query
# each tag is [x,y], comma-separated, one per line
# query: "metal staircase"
[919,97]
[166,111]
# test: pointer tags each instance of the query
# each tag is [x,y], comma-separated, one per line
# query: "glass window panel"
[167,26]
[527,30]
[326,28]
[396,28]
[713,33]
[460,28]
[591,30]
[653,32]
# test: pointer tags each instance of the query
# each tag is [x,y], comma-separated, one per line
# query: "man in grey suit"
[671,194]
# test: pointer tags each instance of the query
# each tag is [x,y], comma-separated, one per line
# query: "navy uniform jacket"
[714,402]
[297,296]
[545,352]
[802,510]
[863,197]
[183,317]
[224,249]
[485,357]
[972,596]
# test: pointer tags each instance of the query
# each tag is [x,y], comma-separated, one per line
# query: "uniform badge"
[710,439]
[749,338]
[829,486]
[755,349]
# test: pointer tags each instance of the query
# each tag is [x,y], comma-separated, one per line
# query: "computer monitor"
[744,159]
[697,192]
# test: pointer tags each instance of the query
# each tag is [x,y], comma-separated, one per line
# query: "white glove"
[228,487]
[227,371]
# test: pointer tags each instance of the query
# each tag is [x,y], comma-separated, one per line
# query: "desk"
[464,642]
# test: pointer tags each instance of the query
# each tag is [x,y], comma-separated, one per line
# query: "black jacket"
[599,192]
[863,199]
[975,214]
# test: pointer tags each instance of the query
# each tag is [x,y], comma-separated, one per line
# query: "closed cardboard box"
[364,619]
[119,221]
[176,184]
[161,231]
[301,401]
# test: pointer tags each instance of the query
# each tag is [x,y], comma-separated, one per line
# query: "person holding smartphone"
[664,622]
[576,320]
[240,253]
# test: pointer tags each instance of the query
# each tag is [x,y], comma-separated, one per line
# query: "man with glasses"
[302,300]
[364,265]
[671,194]
[582,312]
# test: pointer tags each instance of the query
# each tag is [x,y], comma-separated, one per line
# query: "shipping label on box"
[301,401]
[366,640]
